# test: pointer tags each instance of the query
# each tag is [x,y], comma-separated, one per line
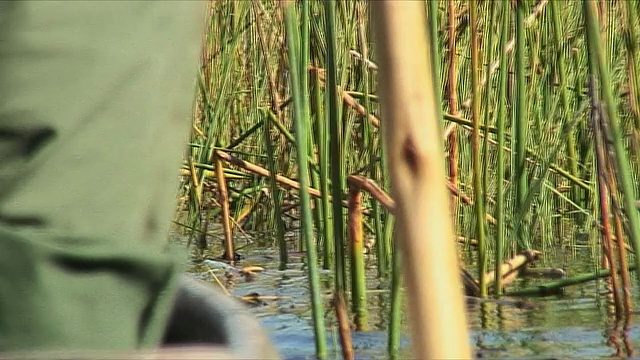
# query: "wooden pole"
[424,227]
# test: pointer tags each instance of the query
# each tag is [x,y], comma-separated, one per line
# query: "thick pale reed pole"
[416,164]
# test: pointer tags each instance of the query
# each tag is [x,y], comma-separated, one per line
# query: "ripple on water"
[571,325]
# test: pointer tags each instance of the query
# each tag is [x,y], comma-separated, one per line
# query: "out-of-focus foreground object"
[95,112]
[205,324]
[424,228]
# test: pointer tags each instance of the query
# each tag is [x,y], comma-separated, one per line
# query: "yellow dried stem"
[224,203]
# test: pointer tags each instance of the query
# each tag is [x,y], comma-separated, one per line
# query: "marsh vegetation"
[540,120]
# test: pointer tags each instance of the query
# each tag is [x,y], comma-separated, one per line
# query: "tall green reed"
[335,143]
[300,126]
[520,120]
[477,174]
[500,124]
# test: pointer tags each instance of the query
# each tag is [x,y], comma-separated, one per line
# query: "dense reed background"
[545,157]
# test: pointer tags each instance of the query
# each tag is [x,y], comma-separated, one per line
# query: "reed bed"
[539,107]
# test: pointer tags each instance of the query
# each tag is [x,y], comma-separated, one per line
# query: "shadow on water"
[572,325]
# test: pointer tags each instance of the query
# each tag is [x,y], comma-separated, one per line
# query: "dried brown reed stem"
[196,183]
[605,215]
[346,98]
[258,170]
[385,200]
[373,189]
[355,232]
[621,245]
[367,185]
[608,261]
[223,199]
[511,268]
[344,328]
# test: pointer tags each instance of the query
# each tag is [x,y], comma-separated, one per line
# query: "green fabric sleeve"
[95,105]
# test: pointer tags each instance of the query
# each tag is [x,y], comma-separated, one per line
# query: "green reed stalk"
[283,131]
[520,126]
[371,140]
[486,100]
[500,124]
[245,135]
[564,98]
[307,225]
[545,166]
[594,44]
[304,85]
[395,318]
[555,286]
[432,12]
[477,177]
[275,190]
[383,266]
[632,52]
[304,48]
[322,128]
[583,141]
[335,145]
[317,209]
[393,257]
[346,24]
[390,219]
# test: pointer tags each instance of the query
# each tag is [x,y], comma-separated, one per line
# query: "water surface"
[574,324]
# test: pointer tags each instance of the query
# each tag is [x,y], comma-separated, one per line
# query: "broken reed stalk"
[223,199]
[258,170]
[555,286]
[424,230]
[385,200]
[344,328]
[358,183]
[356,242]
[370,186]
[245,211]
[511,267]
